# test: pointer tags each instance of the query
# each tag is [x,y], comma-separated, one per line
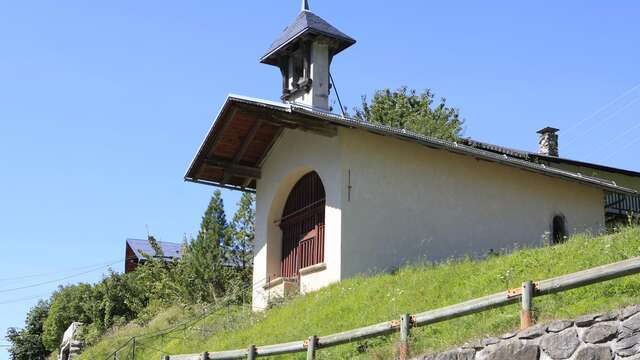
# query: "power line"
[621,149]
[601,109]
[605,119]
[22,277]
[58,280]
[614,139]
[22,299]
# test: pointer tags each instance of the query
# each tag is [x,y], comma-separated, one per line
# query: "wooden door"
[302,226]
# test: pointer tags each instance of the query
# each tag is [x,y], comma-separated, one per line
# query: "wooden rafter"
[243,149]
[219,133]
[233,169]
[319,127]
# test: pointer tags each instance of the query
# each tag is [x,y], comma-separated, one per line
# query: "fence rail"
[524,294]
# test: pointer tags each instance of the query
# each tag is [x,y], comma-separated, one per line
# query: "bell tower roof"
[306,25]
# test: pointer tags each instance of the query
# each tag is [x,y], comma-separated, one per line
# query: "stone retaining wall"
[611,336]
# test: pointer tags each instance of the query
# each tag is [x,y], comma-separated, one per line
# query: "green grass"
[370,299]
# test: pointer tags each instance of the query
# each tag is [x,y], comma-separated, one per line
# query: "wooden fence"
[403,325]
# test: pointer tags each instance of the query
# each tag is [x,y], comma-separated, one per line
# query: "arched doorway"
[302,226]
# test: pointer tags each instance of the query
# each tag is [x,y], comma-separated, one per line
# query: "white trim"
[313,269]
[277,281]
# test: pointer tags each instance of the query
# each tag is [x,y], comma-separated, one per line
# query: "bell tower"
[304,52]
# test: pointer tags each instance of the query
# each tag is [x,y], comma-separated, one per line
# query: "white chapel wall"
[410,203]
[295,154]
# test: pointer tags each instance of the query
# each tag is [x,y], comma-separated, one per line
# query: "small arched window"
[559,232]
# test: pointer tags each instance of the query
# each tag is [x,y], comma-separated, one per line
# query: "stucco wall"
[410,203]
[295,154]
[631,182]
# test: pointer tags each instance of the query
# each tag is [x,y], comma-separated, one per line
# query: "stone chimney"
[548,141]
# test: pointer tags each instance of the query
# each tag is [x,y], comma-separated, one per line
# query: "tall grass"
[366,300]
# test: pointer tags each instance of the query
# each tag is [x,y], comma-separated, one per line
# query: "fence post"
[526,314]
[405,326]
[311,347]
[133,348]
[251,353]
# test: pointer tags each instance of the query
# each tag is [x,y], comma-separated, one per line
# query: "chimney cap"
[548,130]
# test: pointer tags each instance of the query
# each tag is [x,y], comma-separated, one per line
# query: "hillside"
[370,299]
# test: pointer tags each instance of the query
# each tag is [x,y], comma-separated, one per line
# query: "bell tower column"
[319,94]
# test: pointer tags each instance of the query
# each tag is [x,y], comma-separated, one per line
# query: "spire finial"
[305,5]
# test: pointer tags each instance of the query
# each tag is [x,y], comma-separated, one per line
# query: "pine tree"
[203,271]
[243,238]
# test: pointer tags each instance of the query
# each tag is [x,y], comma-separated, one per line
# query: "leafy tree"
[202,263]
[158,279]
[406,109]
[68,304]
[26,344]
[117,299]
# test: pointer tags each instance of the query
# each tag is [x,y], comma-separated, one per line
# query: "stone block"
[560,345]
[599,333]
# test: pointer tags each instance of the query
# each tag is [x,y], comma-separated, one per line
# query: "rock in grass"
[514,350]
[586,320]
[476,345]
[561,345]
[490,341]
[559,325]
[594,353]
[628,345]
[629,312]
[508,335]
[599,333]
[459,354]
[532,332]
[606,317]
[631,325]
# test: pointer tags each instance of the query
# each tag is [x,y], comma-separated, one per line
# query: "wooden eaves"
[224,160]
[239,141]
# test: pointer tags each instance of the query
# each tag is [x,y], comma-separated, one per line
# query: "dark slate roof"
[520,154]
[532,156]
[306,22]
[169,250]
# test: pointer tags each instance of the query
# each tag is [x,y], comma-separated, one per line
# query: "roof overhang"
[245,130]
[307,25]
[339,45]
[234,150]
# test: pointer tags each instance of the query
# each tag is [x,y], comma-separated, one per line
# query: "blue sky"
[103,104]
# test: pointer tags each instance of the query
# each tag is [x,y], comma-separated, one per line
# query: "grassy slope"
[367,300]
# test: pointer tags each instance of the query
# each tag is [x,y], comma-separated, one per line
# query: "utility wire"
[60,279]
[21,300]
[22,277]
[614,139]
[579,123]
[187,324]
[589,129]
[609,156]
